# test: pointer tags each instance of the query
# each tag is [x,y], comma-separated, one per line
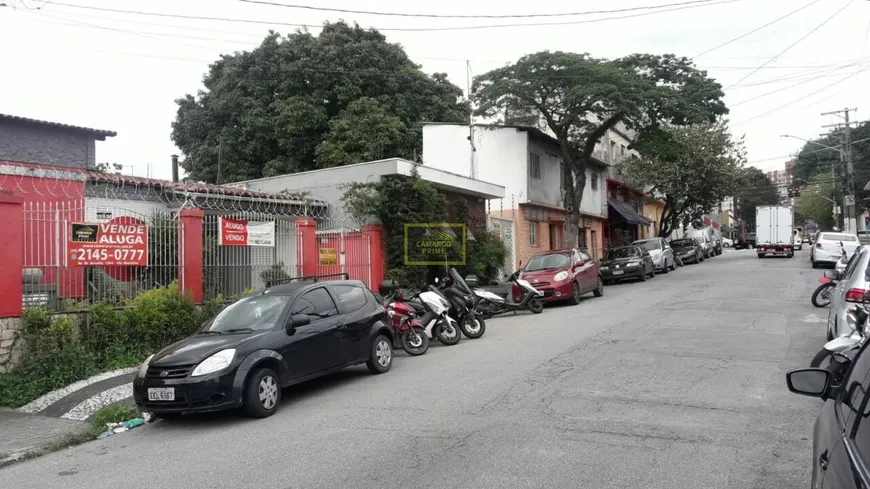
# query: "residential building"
[526,161]
[782,179]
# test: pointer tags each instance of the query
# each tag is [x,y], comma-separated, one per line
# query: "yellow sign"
[327,256]
[435,244]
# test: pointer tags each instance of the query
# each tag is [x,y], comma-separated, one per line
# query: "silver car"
[849,292]
[661,253]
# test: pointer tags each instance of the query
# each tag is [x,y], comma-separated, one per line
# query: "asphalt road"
[677,382]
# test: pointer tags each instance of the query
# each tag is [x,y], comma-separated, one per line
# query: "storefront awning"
[631,216]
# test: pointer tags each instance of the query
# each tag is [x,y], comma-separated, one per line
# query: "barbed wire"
[77,185]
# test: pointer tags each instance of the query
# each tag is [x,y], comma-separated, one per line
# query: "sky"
[65,62]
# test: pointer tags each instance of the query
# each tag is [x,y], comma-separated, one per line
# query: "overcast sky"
[123,71]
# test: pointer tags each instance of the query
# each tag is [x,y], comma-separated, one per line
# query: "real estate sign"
[237,232]
[120,242]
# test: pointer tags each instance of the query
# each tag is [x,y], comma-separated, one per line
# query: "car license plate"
[618,272]
[161,394]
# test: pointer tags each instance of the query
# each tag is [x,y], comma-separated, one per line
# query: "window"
[315,303]
[850,267]
[594,181]
[584,257]
[260,312]
[533,234]
[549,261]
[534,166]
[622,150]
[349,297]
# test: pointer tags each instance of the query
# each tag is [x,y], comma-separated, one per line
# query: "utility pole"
[850,221]
[220,158]
[470,117]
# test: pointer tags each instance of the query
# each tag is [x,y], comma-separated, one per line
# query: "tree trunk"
[572,196]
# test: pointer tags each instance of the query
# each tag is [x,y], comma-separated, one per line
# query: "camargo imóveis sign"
[123,241]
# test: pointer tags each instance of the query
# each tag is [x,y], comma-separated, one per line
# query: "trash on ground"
[112,428]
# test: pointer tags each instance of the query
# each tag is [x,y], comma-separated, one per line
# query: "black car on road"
[627,262]
[841,434]
[253,348]
[688,249]
[747,241]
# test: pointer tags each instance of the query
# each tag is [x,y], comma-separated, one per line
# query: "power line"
[808,34]
[753,31]
[472,16]
[761,116]
[394,29]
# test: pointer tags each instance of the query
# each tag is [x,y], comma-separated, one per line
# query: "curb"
[80,400]
[39,405]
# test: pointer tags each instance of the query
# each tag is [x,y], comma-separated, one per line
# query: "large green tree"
[300,102]
[692,168]
[581,98]
[755,189]
[819,163]
[814,202]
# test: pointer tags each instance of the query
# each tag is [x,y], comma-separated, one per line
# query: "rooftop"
[100,134]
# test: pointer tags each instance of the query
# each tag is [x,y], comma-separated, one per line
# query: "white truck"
[774,231]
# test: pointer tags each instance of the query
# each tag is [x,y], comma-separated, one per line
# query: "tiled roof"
[201,188]
[98,132]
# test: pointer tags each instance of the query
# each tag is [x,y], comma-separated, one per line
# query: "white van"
[705,238]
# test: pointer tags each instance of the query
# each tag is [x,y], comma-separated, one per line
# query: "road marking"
[88,407]
[814,318]
[54,396]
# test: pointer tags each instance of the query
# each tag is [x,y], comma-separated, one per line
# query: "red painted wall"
[45,200]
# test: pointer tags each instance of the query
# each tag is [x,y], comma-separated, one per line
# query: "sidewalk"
[23,435]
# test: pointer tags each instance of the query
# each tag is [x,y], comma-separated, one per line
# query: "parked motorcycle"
[463,304]
[856,319]
[491,304]
[822,294]
[408,330]
[431,308]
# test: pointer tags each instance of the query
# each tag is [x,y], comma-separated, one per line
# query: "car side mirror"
[811,382]
[832,274]
[578,265]
[298,320]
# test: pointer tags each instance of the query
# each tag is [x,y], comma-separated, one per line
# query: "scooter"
[856,319]
[409,333]
[490,304]
[828,281]
[463,304]
[431,308]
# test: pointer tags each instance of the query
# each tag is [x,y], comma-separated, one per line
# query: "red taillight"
[855,295]
[819,245]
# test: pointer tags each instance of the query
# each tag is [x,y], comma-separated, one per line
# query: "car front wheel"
[262,394]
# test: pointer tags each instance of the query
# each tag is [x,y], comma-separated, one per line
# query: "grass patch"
[113,413]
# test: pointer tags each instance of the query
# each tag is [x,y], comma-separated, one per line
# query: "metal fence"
[344,248]
[57,273]
[232,267]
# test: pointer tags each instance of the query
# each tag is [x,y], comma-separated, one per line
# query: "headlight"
[634,263]
[560,276]
[605,267]
[214,363]
[144,368]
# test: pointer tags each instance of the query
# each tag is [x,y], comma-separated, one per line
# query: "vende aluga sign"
[122,241]
[236,232]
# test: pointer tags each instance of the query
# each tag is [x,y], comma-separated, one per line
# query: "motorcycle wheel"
[414,341]
[820,358]
[822,295]
[472,327]
[448,333]
[536,306]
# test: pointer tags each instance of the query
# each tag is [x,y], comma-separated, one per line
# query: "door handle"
[823,460]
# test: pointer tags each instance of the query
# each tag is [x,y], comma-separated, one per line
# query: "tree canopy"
[754,189]
[814,202]
[300,102]
[692,168]
[580,98]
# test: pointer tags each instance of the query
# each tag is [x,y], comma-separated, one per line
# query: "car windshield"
[750,236]
[618,253]
[255,313]
[651,244]
[838,237]
[681,243]
[548,261]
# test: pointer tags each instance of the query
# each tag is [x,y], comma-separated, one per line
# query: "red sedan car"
[562,275]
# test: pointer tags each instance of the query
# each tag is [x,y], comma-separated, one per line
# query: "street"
[678,382]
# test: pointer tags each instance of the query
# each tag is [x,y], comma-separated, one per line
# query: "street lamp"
[833,148]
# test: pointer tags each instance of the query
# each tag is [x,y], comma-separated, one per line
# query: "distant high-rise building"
[782,179]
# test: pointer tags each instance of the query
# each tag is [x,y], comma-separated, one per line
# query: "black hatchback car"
[262,343]
[688,249]
[627,262]
[841,435]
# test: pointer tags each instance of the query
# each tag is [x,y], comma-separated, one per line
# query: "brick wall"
[46,145]
[476,209]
